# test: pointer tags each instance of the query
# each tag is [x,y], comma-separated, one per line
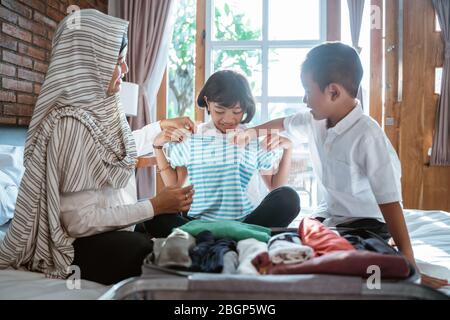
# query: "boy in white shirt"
[352,157]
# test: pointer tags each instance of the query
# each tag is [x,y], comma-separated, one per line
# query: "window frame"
[264,45]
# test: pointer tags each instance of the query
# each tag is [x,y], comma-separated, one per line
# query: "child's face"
[225,118]
[320,102]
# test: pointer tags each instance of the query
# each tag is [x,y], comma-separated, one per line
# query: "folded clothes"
[230,262]
[287,248]
[320,238]
[350,263]
[208,254]
[228,229]
[247,250]
[174,251]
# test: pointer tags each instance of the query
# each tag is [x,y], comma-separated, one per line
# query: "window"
[438,80]
[267,40]
[181,64]
[438,25]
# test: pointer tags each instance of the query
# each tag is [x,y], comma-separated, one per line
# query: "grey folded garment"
[174,250]
[287,248]
[230,262]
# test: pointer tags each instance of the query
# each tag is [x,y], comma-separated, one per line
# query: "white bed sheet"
[429,232]
[430,238]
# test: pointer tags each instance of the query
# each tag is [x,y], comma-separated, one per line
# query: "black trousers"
[278,209]
[111,257]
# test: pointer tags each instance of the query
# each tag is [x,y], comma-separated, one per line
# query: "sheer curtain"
[149,35]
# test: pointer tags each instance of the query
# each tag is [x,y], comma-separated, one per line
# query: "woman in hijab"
[78,191]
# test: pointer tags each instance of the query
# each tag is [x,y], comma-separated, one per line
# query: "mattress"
[429,232]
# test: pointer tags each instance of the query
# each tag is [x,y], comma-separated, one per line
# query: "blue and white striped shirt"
[220,173]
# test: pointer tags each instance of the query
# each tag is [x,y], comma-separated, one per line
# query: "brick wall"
[26,30]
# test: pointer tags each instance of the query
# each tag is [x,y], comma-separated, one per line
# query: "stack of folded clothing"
[235,247]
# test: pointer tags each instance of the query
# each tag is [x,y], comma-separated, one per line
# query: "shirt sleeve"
[268,159]
[144,138]
[382,166]
[178,154]
[82,216]
[297,124]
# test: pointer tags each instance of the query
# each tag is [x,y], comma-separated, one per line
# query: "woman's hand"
[170,134]
[274,141]
[172,200]
[184,123]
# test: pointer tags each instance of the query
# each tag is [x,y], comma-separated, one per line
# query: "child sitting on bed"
[352,157]
[221,172]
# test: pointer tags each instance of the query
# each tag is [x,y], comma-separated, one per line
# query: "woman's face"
[225,118]
[120,71]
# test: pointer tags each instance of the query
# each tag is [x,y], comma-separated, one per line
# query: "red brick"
[32,52]
[37,88]
[24,121]
[26,99]
[18,110]
[54,4]
[45,20]
[30,76]
[8,42]
[7,96]
[8,120]
[8,15]
[55,14]
[17,60]
[41,67]
[7,70]
[35,4]
[35,27]
[15,6]
[42,42]
[11,84]
[16,32]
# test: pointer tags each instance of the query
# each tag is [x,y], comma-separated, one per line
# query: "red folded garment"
[350,263]
[320,238]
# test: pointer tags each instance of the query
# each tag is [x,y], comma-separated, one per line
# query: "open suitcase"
[159,283]
[164,285]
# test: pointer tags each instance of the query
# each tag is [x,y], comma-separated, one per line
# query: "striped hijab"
[78,140]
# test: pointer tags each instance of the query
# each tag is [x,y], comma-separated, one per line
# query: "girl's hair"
[227,88]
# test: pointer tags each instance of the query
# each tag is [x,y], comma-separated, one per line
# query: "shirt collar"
[348,121]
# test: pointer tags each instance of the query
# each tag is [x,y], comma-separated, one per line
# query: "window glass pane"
[301,177]
[181,67]
[438,25]
[247,62]
[294,19]
[237,20]
[284,72]
[256,118]
[438,81]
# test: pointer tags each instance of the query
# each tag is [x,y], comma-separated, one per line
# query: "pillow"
[11,172]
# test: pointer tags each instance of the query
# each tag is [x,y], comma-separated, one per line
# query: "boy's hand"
[184,123]
[243,138]
[171,134]
[433,282]
[274,141]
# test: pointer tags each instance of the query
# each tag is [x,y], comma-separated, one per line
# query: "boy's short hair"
[334,62]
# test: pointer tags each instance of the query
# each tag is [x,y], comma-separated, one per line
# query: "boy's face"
[320,102]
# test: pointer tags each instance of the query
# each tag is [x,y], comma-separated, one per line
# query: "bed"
[429,231]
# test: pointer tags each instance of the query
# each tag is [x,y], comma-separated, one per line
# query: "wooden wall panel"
[376,69]
[424,187]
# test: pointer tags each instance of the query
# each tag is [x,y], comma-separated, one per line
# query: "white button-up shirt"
[354,162]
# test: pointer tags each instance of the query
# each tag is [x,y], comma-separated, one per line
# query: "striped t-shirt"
[220,173]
